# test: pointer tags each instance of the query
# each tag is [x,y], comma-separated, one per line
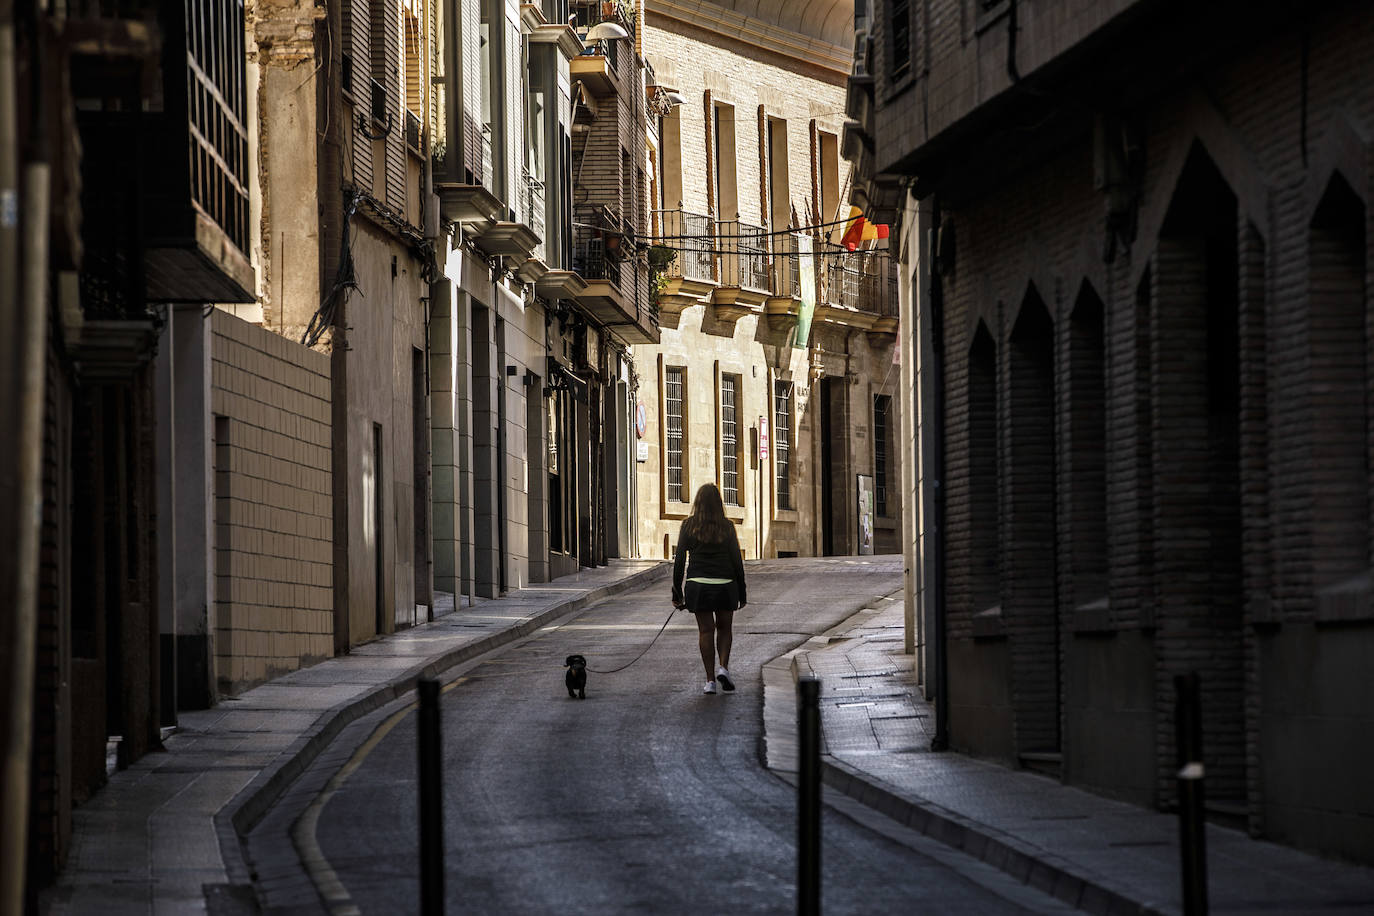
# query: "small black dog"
[577,676]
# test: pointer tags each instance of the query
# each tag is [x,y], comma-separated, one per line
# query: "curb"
[1023,861]
[1026,863]
[247,808]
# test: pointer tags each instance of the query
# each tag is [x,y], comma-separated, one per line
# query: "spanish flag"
[857,229]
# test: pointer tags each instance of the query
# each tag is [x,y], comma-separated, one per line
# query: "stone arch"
[1197,493]
[1085,455]
[1205,128]
[1337,263]
[1343,151]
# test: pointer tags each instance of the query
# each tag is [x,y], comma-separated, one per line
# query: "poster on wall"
[865,506]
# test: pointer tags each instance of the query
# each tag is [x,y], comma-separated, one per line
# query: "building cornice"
[713,17]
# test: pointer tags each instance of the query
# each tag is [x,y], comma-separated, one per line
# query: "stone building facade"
[776,377]
[1136,301]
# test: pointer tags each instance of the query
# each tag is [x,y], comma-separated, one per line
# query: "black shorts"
[701,596]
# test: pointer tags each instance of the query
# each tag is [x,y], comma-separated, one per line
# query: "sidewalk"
[163,835]
[1096,854]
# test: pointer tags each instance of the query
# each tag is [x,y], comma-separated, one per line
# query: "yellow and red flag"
[858,229]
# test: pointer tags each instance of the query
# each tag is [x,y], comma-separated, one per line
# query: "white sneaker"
[709,688]
[724,677]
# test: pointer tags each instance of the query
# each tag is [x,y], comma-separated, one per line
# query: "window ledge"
[988,624]
[1347,601]
[735,514]
[675,510]
[785,515]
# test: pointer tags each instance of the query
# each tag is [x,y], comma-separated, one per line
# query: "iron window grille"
[882,410]
[674,379]
[729,440]
[782,443]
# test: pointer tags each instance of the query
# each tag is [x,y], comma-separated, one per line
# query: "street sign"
[763,438]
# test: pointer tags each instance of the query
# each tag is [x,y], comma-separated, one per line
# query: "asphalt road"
[646,797]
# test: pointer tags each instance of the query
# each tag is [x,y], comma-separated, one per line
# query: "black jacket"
[708,561]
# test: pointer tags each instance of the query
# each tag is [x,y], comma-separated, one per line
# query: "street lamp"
[606,31]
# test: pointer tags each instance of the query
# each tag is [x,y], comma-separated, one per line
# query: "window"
[779,197]
[670,135]
[828,146]
[729,439]
[674,386]
[492,56]
[782,443]
[414,78]
[727,193]
[415,99]
[900,64]
[882,412]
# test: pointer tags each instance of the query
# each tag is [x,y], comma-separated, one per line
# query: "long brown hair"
[707,522]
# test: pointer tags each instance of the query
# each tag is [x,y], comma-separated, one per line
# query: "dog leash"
[646,648]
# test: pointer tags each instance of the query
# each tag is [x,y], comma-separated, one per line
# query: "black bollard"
[431,801]
[1192,825]
[809,797]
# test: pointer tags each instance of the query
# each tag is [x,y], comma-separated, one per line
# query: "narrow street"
[646,797]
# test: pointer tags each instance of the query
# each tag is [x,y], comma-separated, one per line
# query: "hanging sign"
[763,438]
[641,421]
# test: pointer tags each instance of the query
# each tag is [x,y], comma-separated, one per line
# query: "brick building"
[775,377]
[1135,295]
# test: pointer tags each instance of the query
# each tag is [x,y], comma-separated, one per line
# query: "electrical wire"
[800,230]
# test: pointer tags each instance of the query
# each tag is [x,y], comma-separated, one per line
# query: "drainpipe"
[937,584]
[27,317]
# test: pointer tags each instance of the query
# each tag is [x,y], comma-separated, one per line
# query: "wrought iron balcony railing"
[596,253]
[588,13]
[488,178]
[744,257]
[532,205]
[786,272]
[691,236]
[864,281]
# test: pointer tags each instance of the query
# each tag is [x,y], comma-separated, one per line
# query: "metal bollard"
[809,797]
[431,801]
[1192,825]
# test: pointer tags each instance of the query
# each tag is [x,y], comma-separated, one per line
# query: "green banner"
[807,268]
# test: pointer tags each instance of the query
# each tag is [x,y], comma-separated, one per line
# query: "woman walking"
[708,548]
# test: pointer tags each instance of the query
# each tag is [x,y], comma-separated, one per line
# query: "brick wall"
[1226,414]
[273,516]
[709,69]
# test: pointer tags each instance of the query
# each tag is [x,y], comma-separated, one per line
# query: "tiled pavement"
[163,835]
[1096,854]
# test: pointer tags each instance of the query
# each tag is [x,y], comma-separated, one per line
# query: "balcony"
[860,291]
[603,259]
[744,277]
[596,66]
[465,194]
[691,274]
[783,306]
[171,124]
[532,206]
